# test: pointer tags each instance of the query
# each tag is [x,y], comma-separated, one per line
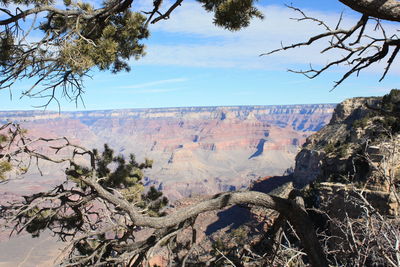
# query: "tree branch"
[297,216]
[381,9]
[357,53]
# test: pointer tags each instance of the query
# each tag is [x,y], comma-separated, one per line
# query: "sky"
[191,62]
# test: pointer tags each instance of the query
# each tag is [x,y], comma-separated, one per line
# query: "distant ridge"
[161,108]
[29,115]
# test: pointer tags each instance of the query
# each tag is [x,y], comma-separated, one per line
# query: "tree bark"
[295,214]
[381,9]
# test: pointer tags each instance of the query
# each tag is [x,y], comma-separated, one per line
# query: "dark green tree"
[78,210]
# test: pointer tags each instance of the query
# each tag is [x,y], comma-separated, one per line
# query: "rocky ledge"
[358,148]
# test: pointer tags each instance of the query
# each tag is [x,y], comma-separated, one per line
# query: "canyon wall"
[196,150]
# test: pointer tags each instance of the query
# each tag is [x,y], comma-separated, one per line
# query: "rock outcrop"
[358,149]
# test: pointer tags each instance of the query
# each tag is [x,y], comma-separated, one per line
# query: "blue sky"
[190,62]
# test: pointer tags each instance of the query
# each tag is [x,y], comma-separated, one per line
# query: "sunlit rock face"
[196,150]
[357,146]
[330,152]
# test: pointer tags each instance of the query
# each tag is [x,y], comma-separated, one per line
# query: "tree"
[105,195]
[78,37]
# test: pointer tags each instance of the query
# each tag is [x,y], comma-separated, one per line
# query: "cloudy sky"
[190,62]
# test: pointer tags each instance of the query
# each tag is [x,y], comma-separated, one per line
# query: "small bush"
[329,148]
[5,167]
[342,150]
[361,123]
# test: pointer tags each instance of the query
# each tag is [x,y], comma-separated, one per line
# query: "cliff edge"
[359,148]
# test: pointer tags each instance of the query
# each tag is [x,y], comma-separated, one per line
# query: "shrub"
[329,148]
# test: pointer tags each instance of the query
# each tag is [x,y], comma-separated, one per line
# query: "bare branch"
[91,204]
[357,52]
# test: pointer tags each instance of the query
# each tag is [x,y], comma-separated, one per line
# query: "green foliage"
[329,148]
[39,220]
[236,237]
[5,167]
[73,38]
[391,101]
[392,123]
[154,202]
[6,47]
[232,14]
[233,246]
[391,111]
[75,206]
[107,44]
[124,174]
[75,171]
[112,171]
[219,244]
[117,173]
[361,123]
[342,150]
[3,138]
[239,234]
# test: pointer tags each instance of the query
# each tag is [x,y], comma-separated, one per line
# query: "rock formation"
[195,150]
[357,151]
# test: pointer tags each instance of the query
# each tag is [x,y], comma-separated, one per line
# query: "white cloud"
[199,43]
[150,84]
[191,18]
[154,91]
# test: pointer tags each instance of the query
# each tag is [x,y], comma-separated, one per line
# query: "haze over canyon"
[196,150]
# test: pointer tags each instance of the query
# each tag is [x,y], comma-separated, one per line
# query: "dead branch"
[90,206]
[357,53]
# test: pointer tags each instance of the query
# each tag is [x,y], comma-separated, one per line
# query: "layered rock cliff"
[196,150]
[359,150]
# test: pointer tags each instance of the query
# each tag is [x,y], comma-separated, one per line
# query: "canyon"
[195,150]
